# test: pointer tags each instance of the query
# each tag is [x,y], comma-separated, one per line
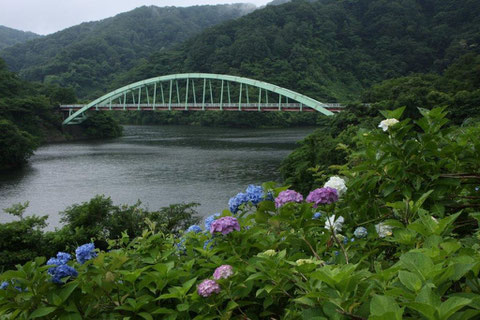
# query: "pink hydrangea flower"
[325,195]
[225,225]
[223,272]
[287,196]
[207,287]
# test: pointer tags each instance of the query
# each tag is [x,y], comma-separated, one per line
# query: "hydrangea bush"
[412,255]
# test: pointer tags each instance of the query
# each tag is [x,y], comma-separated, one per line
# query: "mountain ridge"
[10,36]
[86,56]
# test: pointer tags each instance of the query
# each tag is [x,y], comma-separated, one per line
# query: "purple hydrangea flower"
[255,194]
[63,271]
[225,225]
[85,252]
[287,196]
[235,202]
[194,228]
[223,272]
[207,287]
[325,195]
[4,285]
[209,220]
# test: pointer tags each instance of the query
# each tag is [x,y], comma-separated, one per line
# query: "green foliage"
[286,264]
[16,145]
[23,240]
[101,125]
[399,167]
[10,37]
[306,167]
[221,118]
[457,89]
[97,220]
[86,57]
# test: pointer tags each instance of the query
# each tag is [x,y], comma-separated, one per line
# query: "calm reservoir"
[158,165]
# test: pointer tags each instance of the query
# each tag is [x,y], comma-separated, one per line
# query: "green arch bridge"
[200,92]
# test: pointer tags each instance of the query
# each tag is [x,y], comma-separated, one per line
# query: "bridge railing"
[193,90]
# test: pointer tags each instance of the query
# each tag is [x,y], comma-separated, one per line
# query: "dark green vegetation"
[98,220]
[412,190]
[9,36]
[457,89]
[88,57]
[329,50]
[29,116]
[220,118]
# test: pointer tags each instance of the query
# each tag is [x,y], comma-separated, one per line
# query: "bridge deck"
[262,107]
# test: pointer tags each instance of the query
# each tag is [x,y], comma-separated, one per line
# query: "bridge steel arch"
[106,100]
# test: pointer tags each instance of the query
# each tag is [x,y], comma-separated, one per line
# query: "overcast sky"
[48,16]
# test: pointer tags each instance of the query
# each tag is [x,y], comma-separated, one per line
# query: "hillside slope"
[89,55]
[9,36]
[330,50]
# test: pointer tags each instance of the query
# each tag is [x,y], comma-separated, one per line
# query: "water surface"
[159,165]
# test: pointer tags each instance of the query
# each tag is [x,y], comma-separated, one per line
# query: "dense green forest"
[88,56]
[329,50]
[9,36]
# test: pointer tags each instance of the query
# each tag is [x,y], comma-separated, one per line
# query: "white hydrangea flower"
[336,224]
[360,232]
[383,230]
[336,183]
[385,124]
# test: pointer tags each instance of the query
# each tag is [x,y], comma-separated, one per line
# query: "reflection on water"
[158,165]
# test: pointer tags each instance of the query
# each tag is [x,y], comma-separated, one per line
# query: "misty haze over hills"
[10,37]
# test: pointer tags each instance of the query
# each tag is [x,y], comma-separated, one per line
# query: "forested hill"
[328,49]
[88,56]
[9,36]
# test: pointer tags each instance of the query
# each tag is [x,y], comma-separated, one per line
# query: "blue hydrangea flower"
[316,215]
[194,228]
[207,244]
[345,240]
[63,257]
[255,194]
[181,245]
[269,196]
[360,232]
[235,202]
[4,285]
[85,252]
[63,271]
[209,220]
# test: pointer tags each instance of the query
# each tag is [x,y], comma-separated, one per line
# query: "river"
[158,165]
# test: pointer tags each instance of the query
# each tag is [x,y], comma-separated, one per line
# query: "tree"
[16,146]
